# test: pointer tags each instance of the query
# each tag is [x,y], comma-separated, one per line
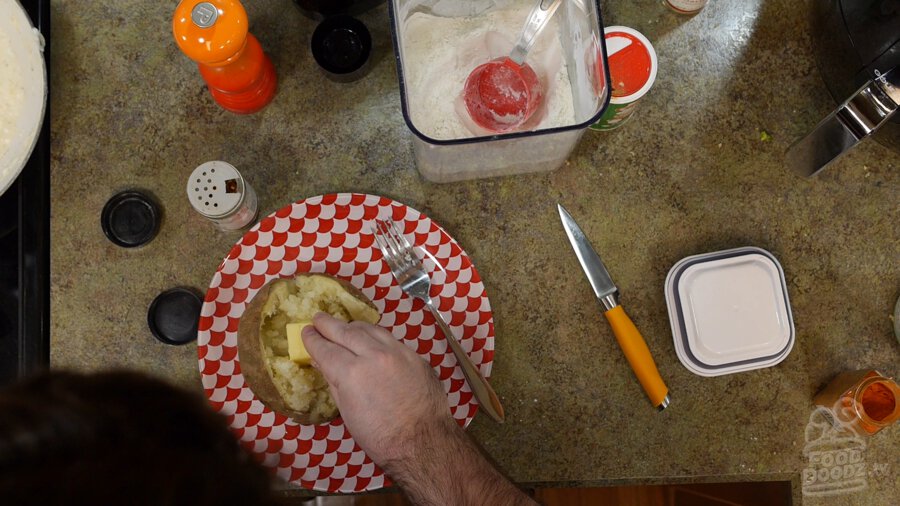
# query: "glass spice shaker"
[863,401]
[217,191]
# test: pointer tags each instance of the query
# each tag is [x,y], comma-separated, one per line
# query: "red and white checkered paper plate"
[332,234]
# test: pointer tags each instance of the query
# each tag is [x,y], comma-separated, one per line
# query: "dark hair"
[120,438]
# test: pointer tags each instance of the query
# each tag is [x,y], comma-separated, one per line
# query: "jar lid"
[632,63]
[341,45]
[130,219]
[174,314]
[210,31]
[729,311]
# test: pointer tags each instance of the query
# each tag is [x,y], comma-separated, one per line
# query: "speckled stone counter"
[689,174]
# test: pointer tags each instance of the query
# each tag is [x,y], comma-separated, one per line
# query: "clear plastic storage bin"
[583,84]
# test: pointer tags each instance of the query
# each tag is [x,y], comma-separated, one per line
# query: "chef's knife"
[630,339]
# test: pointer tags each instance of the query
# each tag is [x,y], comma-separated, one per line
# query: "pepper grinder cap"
[130,219]
[210,32]
[341,45]
[215,189]
[173,315]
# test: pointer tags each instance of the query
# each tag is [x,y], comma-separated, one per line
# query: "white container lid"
[729,311]
[632,60]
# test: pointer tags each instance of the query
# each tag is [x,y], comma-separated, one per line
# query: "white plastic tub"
[729,311]
[579,29]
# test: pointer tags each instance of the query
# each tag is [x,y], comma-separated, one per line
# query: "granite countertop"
[689,174]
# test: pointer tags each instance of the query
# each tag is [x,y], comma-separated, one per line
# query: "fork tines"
[394,246]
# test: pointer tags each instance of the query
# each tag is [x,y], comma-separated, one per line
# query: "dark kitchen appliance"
[857,44]
[25,248]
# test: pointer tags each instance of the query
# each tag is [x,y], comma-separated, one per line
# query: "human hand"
[397,412]
[388,396]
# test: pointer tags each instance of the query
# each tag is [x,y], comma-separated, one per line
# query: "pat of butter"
[296,350]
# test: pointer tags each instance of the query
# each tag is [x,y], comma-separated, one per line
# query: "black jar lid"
[321,9]
[174,315]
[130,218]
[341,45]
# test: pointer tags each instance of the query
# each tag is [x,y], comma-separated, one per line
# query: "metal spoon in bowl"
[502,94]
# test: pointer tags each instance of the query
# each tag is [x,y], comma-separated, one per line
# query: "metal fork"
[410,273]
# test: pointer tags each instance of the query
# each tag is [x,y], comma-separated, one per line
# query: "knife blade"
[627,334]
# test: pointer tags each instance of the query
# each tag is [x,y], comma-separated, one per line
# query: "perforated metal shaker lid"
[216,189]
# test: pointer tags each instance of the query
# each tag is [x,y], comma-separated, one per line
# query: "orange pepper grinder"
[213,33]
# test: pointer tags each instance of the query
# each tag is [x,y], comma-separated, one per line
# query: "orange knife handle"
[638,355]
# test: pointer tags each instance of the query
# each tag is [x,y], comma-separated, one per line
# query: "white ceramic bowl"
[27,48]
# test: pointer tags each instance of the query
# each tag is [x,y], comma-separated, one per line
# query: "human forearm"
[442,466]
[394,406]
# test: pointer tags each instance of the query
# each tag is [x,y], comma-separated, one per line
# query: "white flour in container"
[440,52]
[12,93]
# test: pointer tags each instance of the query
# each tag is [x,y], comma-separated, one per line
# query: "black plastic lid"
[130,219]
[341,45]
[320,9]
[174,314]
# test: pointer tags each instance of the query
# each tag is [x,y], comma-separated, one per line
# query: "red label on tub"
[630,64]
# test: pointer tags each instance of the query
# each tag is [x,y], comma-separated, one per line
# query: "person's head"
[119,438]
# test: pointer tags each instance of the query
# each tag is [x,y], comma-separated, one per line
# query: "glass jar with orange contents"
[863,401]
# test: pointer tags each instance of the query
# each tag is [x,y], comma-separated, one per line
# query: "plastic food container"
[578,28]
[729,311]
